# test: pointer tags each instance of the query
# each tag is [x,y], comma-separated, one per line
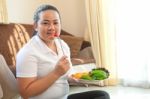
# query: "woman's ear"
[35,26]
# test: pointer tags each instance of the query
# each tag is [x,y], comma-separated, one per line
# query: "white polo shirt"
[35,59]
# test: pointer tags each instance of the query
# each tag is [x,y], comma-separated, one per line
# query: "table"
[1,92]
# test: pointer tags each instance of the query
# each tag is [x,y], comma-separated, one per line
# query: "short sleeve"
[26,64]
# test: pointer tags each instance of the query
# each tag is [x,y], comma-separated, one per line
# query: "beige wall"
[72,12]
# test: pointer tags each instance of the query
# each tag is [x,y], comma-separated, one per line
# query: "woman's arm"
[33,86]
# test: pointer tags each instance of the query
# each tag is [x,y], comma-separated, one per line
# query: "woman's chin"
[50,39]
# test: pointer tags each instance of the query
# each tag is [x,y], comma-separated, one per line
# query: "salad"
[94,74]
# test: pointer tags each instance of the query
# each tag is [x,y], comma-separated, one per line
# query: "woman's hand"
[62,66]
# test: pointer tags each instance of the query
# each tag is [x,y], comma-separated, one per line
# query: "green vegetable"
[99,74]
[96,74]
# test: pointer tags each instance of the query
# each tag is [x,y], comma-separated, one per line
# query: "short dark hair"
[44,8]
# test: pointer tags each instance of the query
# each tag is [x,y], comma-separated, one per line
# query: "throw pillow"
[74,43]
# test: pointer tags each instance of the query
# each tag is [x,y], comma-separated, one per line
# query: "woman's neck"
[48,43]
[51,44]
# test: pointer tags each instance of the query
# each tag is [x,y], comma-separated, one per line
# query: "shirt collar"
[42,45]
[45,48]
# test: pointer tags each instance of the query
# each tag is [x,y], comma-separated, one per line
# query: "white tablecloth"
[1,92]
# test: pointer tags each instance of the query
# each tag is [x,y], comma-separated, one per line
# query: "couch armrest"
[76,61]
[13,69]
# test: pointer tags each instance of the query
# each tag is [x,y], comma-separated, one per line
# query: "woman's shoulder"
[27,48]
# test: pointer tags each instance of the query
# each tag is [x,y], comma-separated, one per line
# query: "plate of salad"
[95,76]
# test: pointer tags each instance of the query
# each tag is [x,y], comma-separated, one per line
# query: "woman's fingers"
[64,60]
[63,65]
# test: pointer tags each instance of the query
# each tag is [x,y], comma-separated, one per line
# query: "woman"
[43,64]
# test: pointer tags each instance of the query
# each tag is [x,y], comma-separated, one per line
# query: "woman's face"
[48,25]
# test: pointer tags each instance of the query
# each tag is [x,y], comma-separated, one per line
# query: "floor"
[117,92]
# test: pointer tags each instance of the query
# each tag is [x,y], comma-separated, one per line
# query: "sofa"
[13,36]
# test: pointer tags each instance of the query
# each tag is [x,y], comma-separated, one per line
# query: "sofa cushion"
[74,43]
[86,53]
[85,56]
[13,37]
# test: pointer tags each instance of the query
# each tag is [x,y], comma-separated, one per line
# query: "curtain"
[133,47]
[101,30]
[3,12]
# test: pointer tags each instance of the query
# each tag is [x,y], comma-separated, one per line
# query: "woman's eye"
[45,23]
[55,23]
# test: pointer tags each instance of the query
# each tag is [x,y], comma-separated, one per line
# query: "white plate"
[91,82]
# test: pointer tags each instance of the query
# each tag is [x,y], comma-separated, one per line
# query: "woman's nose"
[51,26]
